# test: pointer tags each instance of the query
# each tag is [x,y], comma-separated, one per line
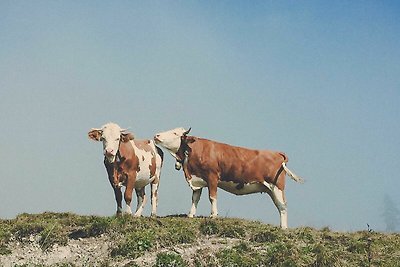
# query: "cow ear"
[126,137]
[94,134]
[190,139]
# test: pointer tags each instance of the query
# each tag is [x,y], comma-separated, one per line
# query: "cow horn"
[185,133]
[124,130]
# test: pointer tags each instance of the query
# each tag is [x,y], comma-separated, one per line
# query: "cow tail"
[291,174]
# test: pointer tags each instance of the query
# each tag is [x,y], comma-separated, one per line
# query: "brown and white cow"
[131,163]
[237,170]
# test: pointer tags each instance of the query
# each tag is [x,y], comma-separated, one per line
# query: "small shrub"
[177,235]
[265,236]
[168,259]
[52,235]
[281,254]
[4,250]
[240,255]
[324,257]
[357,246]
[98,226]
[131,264]
[232,231]
[205,257]
[24,230]
[305,234]
[209,227]
[135,245]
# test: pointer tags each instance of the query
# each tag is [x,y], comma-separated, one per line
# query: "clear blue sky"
[319,80]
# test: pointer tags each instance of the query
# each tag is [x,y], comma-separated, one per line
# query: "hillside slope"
[65,239]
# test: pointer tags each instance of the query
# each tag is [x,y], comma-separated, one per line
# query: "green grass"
[251,243]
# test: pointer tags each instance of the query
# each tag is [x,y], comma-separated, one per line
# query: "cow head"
[171,140]
[111,135]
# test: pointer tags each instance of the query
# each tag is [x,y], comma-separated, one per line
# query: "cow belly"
[231,187]
[143,180]
[242,189]
[197,182]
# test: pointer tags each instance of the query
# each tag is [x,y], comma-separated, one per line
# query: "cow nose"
[109,151]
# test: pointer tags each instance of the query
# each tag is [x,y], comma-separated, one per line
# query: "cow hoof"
[153,215]
[212,216]
[190,215]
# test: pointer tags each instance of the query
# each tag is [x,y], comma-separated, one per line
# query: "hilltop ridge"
[66,239]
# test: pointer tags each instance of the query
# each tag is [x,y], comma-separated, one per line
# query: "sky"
[318,80]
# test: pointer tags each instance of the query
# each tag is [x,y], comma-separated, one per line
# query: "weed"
[98,226]
[209,227]
[269,235]
[205,257]
[169,259]
[281,254]
[135,244]
[52,235]
[240,255]
[232,231]
[4,250]
[324,256]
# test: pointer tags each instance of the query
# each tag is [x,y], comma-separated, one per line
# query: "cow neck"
[183,152]
[183,158]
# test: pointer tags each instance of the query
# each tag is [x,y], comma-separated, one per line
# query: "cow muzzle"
[157,139]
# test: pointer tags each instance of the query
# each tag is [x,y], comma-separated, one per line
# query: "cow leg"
[212,194]
[279,200]
[141,196]
[195,200]
[154,199]
[118,199]
[128,192]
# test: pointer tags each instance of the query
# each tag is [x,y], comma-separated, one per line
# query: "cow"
[237,170]
[131,163]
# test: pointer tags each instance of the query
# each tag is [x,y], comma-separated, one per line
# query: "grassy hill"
[65,239]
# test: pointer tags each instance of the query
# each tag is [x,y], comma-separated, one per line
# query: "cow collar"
[179,159]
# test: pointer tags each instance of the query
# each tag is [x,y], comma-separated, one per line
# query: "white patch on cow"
[195,200]
[154,199]
[244,189]
[196,183]
[128,209]
[141,201]
[214,209]
[277,197]
[143,177]
[171,139]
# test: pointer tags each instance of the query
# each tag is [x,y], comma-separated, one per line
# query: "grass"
[250,243]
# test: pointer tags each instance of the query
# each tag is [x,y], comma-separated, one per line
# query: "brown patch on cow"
[126,137]
[143,145]
[152,166]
